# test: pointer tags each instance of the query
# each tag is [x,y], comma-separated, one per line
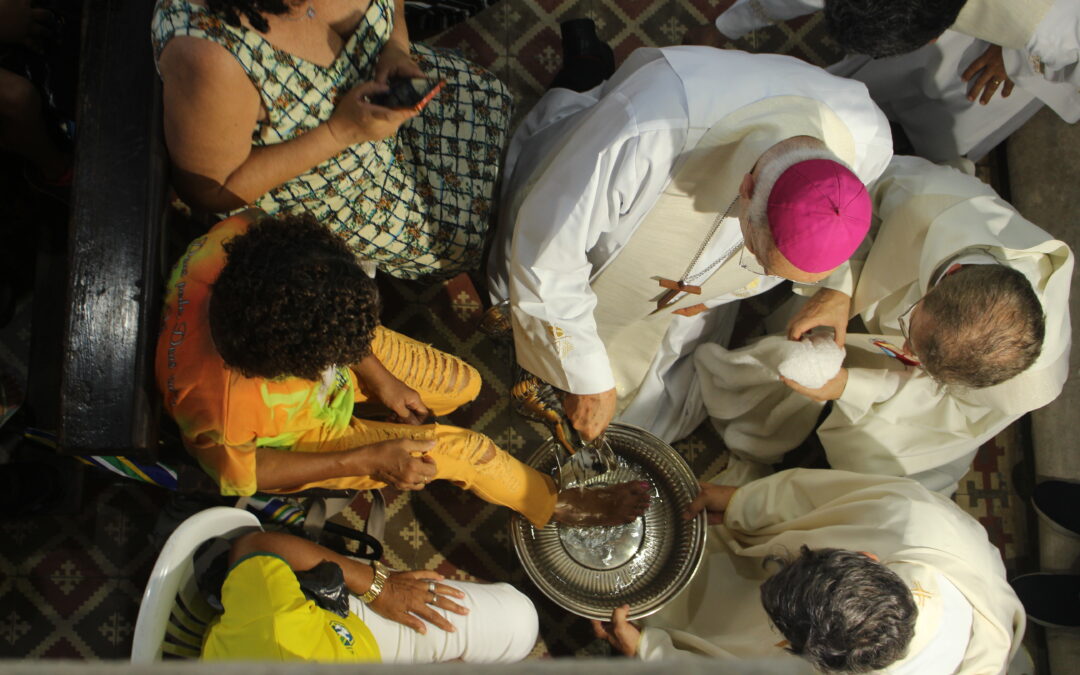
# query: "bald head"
[979,326]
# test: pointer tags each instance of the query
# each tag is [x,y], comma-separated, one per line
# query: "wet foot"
[607,506]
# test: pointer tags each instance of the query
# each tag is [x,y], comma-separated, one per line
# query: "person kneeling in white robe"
[956,92]
[965,314]
[853,573]
[626,208]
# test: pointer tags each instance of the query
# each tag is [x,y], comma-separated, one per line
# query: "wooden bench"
[108,403]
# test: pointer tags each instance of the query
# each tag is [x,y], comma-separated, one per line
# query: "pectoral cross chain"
[677,288]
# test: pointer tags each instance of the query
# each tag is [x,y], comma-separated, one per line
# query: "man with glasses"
[636,213]
[963,326]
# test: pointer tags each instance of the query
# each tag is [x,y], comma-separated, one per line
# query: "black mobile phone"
[408,92]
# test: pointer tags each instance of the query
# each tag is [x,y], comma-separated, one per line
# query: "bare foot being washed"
[611,505]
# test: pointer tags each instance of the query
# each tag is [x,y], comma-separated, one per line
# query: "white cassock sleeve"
[747,15]
[767,506]
[902,423]
[1052,54]
[597,188]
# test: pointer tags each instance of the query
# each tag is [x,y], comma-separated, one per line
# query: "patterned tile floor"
[69,584]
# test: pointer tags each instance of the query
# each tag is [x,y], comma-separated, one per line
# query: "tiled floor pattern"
[519,39]
[69,584]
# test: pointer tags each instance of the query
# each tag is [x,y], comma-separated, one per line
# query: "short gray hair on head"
[987,326]
[759,232]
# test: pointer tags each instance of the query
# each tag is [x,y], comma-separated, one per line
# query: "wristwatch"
[377,582]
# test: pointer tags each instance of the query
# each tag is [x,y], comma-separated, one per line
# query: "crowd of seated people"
[633,216]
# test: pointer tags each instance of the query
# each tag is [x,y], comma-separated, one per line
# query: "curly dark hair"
[841,610]
[987,326]
[291,301]
[881,28]
[230,10]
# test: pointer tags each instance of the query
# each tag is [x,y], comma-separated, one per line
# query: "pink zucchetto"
[819,213]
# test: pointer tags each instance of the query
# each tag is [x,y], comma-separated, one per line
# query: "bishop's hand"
[827,307]
[713,499]
[590,413]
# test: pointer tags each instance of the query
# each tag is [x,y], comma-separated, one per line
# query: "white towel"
[759,417]
[813,360]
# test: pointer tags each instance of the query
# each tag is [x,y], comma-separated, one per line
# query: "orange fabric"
[470,460]
[225,416]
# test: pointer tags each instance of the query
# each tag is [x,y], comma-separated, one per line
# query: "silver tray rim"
[518,524]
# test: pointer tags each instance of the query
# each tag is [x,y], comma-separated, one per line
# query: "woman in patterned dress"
[265,103]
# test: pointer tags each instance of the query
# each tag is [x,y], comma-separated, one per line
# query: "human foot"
[609,505]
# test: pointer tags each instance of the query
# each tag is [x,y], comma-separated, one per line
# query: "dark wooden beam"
[108,402]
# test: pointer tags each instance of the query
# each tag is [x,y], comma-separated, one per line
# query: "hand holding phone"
[357,120]
[408,93]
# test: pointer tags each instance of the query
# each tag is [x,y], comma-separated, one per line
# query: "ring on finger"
[431,587]
[434,598]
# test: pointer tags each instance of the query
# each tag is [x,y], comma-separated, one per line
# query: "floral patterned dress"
[417,204]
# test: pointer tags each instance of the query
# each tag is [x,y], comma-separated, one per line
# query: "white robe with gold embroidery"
[582,174]
[892,419]
[918,534]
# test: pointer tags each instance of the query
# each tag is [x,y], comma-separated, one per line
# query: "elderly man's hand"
[832,390]
[825,308]
[988,71]
[622,635]
[590,413]
[713,499]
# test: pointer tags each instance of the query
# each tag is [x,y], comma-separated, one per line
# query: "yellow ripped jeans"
[468,459]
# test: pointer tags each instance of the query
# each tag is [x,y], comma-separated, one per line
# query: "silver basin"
[592,570]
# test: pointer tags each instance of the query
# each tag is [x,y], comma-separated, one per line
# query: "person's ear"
[870,555]
[953,269]
[746,188]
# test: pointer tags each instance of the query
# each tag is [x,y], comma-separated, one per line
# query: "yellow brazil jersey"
[267,618]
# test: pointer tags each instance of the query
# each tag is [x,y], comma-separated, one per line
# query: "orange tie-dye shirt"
[223,415]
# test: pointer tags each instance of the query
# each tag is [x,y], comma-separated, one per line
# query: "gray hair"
[987,326]
[759,231]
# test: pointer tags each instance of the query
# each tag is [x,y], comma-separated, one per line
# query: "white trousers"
[501,627]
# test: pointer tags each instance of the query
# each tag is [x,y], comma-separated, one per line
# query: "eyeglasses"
[749,262]
[905,329]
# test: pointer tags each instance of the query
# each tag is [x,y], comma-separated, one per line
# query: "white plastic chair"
[171,592]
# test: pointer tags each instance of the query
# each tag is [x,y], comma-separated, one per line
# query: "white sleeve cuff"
[863,387]
[739,20]
[655,644]
[581,373]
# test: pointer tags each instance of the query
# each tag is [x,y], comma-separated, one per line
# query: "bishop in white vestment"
[892,418]
[923,90]
[611,191]
[968,621]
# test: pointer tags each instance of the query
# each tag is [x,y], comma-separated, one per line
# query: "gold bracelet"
[377,583]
